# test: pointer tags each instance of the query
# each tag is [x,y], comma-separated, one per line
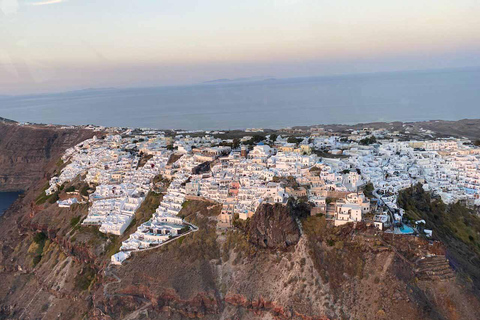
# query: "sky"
[60,45]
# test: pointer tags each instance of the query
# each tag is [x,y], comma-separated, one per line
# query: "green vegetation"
[42,198]
[84,191]
[236,143]
[54,198]
[60,162]
[454,220]
[254,140]
[85,279]
[238,243]
[202,244]
[39,237]
[148,206]
[324,154]
[186,204]
[330,200]
[289,181]
[477,143]
[75,220]
[114,242]
[70,189]
[368,190]
[455,225]
[143,214]
[36,248]
[294,140]
[368,141]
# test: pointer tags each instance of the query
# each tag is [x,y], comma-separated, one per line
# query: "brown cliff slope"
[25,151]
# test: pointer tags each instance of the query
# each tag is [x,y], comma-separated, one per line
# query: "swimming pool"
[404,229]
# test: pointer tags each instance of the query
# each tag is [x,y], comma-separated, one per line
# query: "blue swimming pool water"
[405,229]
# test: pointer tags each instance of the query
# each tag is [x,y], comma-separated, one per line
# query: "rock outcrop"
[273,226]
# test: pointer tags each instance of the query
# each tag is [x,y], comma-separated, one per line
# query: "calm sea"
[276,103]
[6,199]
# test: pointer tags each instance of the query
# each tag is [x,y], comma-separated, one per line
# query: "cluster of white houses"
[449,168]
[243,178]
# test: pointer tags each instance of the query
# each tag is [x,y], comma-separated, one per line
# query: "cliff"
[274,226]
[27,151]
[281,265]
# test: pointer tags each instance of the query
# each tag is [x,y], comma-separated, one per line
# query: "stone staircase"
[434,268]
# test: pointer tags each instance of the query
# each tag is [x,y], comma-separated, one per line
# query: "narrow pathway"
[134,315]
[299,224]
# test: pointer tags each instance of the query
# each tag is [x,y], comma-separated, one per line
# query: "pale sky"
[58,45]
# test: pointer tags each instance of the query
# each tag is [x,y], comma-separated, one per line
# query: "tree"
[477,143]
[257,138]
[236,143]
[273,137]
[54,198]
[294,140]
[84,191]
[368,140]
[368,190]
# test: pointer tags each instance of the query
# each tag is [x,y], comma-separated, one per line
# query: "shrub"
[54,198]
[84,279]
[84,191]
[74,221]
[39,237]
[37,259]
[367,141]
[294,140]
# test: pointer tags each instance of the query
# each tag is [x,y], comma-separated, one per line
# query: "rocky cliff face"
[273,226]
[26,151]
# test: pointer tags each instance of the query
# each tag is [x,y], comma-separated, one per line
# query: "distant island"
[249,79]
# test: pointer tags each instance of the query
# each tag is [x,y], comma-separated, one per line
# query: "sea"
[6,200]
[267,103]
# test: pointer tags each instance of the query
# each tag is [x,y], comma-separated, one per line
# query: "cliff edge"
[27,151]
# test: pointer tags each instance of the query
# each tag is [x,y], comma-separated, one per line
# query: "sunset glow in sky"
[57,45]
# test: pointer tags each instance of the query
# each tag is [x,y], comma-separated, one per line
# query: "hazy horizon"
[379,97]
[61,45]
[226,80]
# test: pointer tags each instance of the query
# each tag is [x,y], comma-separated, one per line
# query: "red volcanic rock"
[260,305]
